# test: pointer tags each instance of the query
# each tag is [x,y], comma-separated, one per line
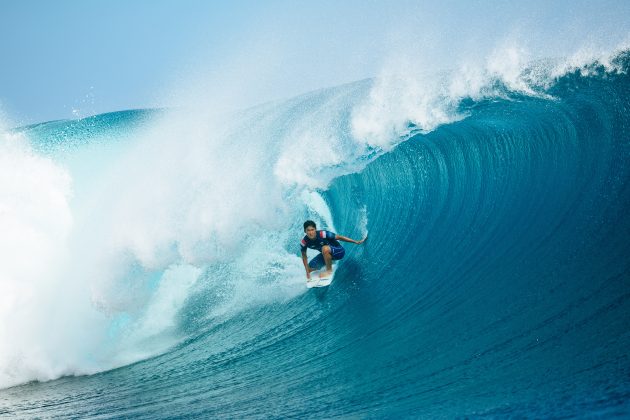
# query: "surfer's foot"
[325,274]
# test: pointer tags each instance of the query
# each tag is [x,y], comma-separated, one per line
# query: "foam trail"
[363,221]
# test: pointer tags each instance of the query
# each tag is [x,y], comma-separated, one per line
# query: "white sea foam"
[35,221]
[98,279]
[407,95]
[410,93]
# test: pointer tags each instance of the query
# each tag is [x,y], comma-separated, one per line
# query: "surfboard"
[317,281]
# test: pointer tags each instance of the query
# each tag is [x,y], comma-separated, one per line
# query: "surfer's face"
[310,232]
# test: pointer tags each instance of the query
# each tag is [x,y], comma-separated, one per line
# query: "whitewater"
[150,258]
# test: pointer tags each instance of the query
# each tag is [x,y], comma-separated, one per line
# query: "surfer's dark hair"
[309,223]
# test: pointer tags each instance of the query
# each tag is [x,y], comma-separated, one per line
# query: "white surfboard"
[320,279]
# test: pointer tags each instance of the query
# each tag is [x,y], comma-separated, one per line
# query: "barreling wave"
[495,280]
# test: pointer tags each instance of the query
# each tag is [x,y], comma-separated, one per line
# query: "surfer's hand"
[361,241]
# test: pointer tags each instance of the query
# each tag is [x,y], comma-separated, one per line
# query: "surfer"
[327,243]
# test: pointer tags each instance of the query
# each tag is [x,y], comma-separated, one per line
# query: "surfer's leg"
[317,262]
[337,252]
[327,257]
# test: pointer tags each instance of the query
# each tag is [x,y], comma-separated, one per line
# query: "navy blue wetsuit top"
[322,237]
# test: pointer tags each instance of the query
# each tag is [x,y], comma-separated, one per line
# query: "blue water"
[495,280]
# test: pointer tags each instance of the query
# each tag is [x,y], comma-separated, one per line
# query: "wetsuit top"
[322,237]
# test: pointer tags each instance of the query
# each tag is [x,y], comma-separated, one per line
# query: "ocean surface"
[150,258]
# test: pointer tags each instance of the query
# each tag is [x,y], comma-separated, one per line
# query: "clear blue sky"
[98,56]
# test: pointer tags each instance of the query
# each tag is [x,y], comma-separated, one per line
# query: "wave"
[494,281]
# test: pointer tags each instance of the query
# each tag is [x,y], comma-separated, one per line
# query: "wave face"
[495,280]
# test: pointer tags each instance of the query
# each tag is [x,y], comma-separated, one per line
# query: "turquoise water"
[495,280]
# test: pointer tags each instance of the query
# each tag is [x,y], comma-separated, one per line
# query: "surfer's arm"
[344,239]
[306,267]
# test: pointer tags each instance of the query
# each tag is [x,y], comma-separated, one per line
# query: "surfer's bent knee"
[326,249]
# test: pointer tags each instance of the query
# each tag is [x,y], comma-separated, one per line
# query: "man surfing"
[327,243]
